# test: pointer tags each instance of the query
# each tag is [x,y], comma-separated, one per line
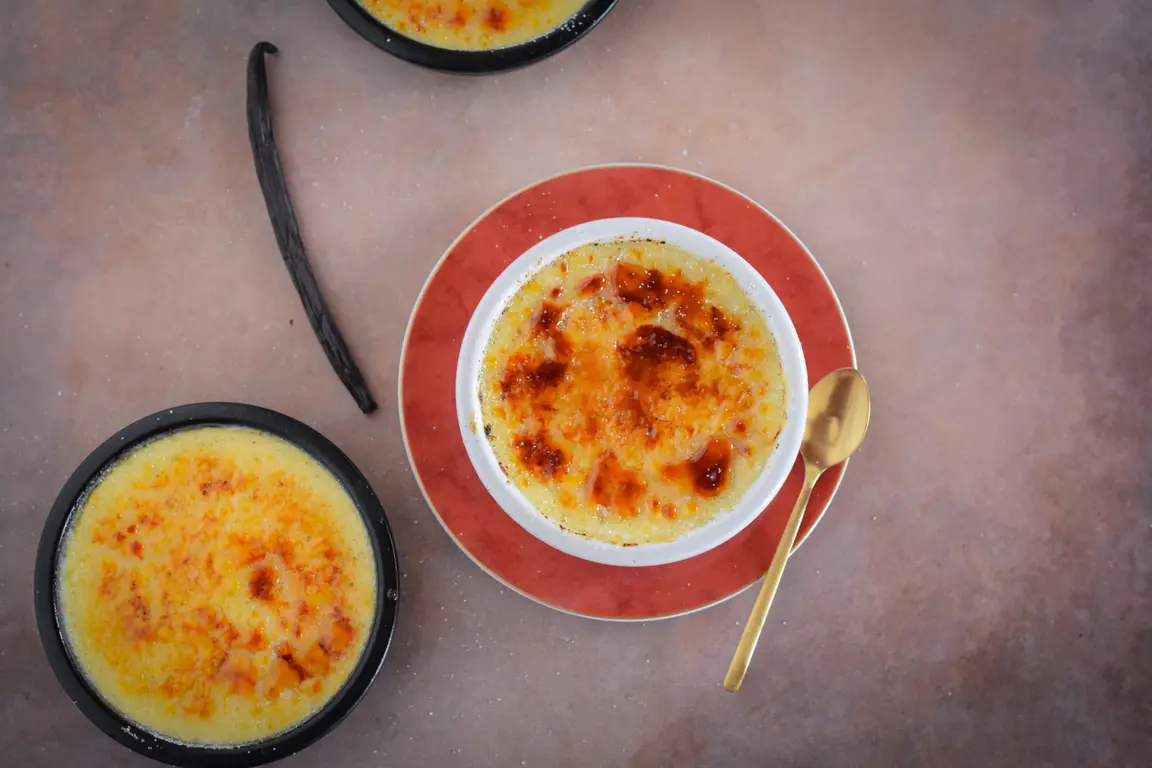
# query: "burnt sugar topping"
[472,25]
[631,391]
[217,586]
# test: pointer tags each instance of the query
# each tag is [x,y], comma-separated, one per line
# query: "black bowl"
[387,579]
[471,62]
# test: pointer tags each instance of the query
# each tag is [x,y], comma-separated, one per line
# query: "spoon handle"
[748,640]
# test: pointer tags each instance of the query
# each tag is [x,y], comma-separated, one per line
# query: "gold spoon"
[838,410]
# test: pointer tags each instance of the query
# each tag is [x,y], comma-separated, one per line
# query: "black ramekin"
[471,62]
[127,732]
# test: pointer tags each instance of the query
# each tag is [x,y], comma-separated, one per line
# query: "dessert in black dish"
[88,499]
[482,61]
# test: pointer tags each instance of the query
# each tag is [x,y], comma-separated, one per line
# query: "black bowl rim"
[472,62]
[387,597]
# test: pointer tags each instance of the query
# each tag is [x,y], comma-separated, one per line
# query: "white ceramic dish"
[724,525]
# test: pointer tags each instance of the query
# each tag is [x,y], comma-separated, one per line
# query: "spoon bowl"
[838,414]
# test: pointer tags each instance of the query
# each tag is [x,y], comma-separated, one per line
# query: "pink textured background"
[974,176]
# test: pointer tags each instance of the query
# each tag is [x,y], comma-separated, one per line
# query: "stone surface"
[974,177]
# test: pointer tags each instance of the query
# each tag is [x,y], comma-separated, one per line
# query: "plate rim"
[423,292]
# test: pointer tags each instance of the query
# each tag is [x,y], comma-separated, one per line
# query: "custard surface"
[472,25]
[217,586]
[631,391]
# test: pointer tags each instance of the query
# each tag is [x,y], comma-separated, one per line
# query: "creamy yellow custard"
[217,586]
[472,25]
[631,391]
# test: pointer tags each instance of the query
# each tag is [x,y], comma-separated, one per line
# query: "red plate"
[428,374]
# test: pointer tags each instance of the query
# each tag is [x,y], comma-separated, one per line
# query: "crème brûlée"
[631,391]
[217,586]
[472,25]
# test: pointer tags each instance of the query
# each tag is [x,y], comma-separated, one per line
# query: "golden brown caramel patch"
[496,19]
[706,472]
[648,351]
[547,318]
[262,583]
[531,377]
[591,286]
[637,285]
[617,488]
[540,456]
